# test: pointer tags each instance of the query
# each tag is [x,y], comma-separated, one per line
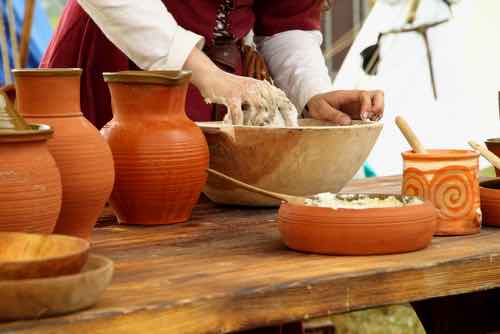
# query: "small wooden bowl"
[25,255]
[357,231]
[490,201]
[43,297]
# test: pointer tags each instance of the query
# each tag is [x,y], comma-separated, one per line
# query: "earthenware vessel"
[31,255]
[315,157]
[52,96]
[30,183]
[449,179]
[493,145]
[490,201]
[161,156]
[357,231]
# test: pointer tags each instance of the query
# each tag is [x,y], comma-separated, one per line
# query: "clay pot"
[357,231]
[493,145]
[160,155]
[52,96]
[490,201]
[449,179]
[30,184]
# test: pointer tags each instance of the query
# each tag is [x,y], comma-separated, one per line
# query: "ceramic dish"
[357,231]
[43,297]
[490,201]
[316,157]
[24,255]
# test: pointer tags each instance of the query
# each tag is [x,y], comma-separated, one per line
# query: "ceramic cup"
[493,145]
[449,179]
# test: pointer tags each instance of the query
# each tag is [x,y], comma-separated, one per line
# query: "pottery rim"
[441,154]
[492,184]
[493,140]
[168,78]
[345,196]
[38,132]
[83,242]
[47,72]
[318,127]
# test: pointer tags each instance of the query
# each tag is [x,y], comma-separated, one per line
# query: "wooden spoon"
[487,154]
[287,198]
[410,136]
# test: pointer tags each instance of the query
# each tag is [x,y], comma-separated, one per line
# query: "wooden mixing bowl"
[316,157]
[357,231]
[24,255]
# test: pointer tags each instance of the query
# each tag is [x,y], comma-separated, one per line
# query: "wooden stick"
[29,9]
[11,19]
[487,154]
[410,136]
[4,49]
[282,197]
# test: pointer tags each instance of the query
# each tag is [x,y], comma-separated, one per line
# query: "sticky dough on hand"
[262,105]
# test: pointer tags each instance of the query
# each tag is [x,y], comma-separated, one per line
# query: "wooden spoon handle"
[410,136]
[282,197]
[487,154]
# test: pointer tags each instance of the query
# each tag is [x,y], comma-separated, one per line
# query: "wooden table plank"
[227,270]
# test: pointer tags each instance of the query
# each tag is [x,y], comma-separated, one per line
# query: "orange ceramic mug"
[449,179]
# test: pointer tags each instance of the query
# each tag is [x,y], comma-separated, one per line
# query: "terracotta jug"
[30,184]
[52,96]
[160,155]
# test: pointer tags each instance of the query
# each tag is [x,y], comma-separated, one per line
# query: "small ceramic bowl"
[493,144]
[26,256]
[490,201]
[357,231]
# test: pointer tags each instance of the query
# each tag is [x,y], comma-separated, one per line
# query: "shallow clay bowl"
[490,201]
[42,297]
[357,231]
[316,157]
[25,255]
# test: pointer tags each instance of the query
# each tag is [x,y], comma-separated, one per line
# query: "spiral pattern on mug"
[415,183]
[452,193]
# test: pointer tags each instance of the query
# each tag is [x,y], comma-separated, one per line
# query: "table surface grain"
[227,270]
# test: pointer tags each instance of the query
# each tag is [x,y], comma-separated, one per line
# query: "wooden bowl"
[24,255]
[316,157]
[43,297]
[357,231]
[490,201]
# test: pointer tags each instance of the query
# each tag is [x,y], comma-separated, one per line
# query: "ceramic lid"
[169,78]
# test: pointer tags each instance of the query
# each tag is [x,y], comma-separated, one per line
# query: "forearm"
[145,31]
[297,64]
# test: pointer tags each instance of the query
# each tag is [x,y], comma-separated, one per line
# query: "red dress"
[78,42]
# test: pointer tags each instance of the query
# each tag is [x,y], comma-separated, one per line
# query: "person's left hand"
[343,106]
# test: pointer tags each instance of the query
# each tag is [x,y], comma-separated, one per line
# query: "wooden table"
[227,270]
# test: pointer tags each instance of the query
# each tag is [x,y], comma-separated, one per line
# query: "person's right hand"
[249,101]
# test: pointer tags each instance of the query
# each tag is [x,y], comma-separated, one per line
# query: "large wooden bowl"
[43,297]
[24,255]
[357,231]
[311,159]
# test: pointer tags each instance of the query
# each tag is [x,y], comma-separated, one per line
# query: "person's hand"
[249,101]
[343,106]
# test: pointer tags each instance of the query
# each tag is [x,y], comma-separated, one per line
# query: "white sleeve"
[145,31]
[296,64]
